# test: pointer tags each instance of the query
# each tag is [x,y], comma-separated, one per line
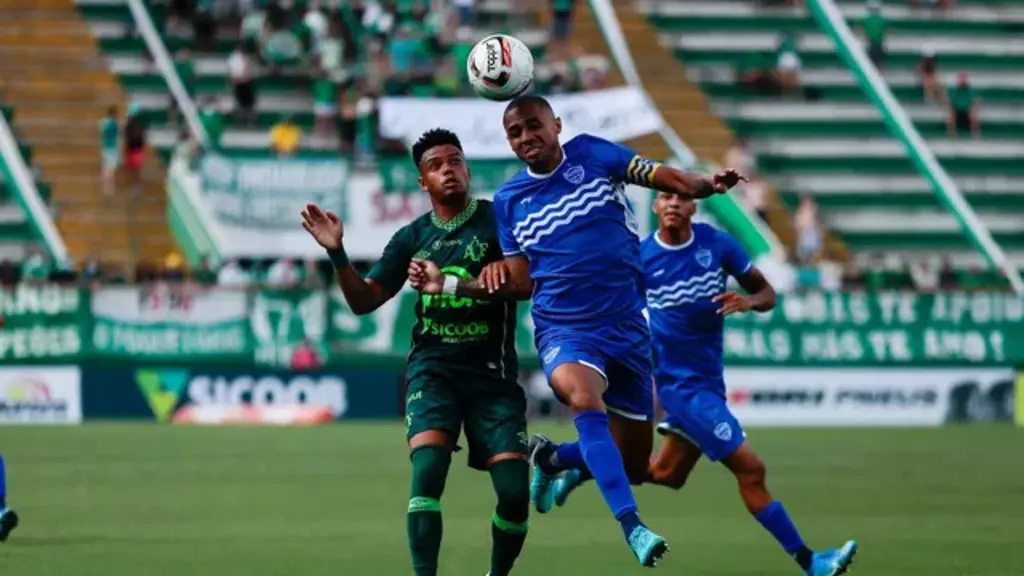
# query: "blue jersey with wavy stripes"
[681,281]
[579,233]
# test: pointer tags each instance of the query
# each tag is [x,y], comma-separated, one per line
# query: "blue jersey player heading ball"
[570,240]
[686,267]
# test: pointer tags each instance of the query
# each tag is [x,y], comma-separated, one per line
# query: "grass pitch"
[148,500]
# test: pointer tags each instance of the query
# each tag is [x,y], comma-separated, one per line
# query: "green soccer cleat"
[541,495]
[8,522]
[647,546]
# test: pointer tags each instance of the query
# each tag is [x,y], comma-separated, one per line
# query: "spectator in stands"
[283,274]
[325,104]
[204,24]
[285,137]
[347,119]
[963,109]
[758,74]
[178,13]
[36,268]
[92,272]
[874,27]
[317,25]
[925,274]
[931,84]
[808,229]
[788,64]
[232,275]
[204,274]
[465,10]
[9,273]
[174,268]
[110,144]
[242,73]
[136,134]
[212,120]
[561,28]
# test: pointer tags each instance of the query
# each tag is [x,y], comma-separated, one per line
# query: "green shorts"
[493,415]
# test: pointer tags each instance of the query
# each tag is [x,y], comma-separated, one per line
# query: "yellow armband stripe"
[641,171]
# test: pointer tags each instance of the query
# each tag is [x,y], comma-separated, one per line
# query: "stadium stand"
[59,86]
[284,92]
[15,231]
[825,139]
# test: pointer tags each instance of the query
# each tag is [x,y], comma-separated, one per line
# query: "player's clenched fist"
[425,276]
[323,225]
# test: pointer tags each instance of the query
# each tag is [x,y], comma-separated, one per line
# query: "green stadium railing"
[850,49]
[20,180]
[735,216]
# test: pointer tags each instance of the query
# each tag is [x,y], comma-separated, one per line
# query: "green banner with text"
[159,323]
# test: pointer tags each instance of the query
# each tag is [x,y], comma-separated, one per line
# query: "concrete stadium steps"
[686,109]
[834,144]
[51,74]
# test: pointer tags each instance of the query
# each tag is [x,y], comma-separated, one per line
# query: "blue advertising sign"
[157,393]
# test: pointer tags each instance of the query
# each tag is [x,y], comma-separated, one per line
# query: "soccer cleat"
[8,522]
[647,546]
[564,485]
[541,495]
[833,562]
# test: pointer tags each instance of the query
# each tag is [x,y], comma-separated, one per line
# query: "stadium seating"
[831,142]
[54,78]
[283,94]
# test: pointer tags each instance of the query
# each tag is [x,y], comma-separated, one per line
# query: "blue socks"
[3,484]
[776,521]
[604,461]
[569,456]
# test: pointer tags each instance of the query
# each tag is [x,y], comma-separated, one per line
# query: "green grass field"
[133,500]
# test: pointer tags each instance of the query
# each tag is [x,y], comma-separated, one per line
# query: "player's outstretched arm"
[362,296]
[506,279]
[691,184]
[760,295]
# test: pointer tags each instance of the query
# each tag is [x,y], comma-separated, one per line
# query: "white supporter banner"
[614,114]
[866,397]
[40,395]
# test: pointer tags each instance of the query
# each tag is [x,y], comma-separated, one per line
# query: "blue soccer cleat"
[564,485]
[647,546]
[541,494]
[8,522]
[833,562]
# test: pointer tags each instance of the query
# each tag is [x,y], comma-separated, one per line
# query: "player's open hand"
[726,179]
[494,276]
[732,302]
[425,276]
[323,225]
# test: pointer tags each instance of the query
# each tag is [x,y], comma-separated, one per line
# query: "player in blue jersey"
[570,240]
[686,266]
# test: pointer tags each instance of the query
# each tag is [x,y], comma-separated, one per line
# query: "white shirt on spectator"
[232,276]
[283,273]
[239,67]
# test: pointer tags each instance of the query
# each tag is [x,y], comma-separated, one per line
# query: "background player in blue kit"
[686,267]
[570,239]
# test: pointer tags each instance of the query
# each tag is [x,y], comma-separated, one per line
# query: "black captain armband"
[641,171]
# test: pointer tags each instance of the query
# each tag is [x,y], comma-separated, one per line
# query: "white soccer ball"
[500,67]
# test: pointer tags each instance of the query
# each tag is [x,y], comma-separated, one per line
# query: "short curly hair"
[431,138]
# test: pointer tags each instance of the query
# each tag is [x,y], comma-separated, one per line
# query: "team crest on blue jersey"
[723,431]
[574,174]
[703,257]
[552,354]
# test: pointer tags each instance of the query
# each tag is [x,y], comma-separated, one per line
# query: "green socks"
[511,479]
[423,520]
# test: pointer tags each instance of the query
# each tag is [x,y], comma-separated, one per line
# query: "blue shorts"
[703,417]
[620,351]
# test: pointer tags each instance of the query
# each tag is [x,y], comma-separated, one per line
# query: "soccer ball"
[500,67]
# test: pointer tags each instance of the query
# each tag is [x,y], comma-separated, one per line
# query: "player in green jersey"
[462,374]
